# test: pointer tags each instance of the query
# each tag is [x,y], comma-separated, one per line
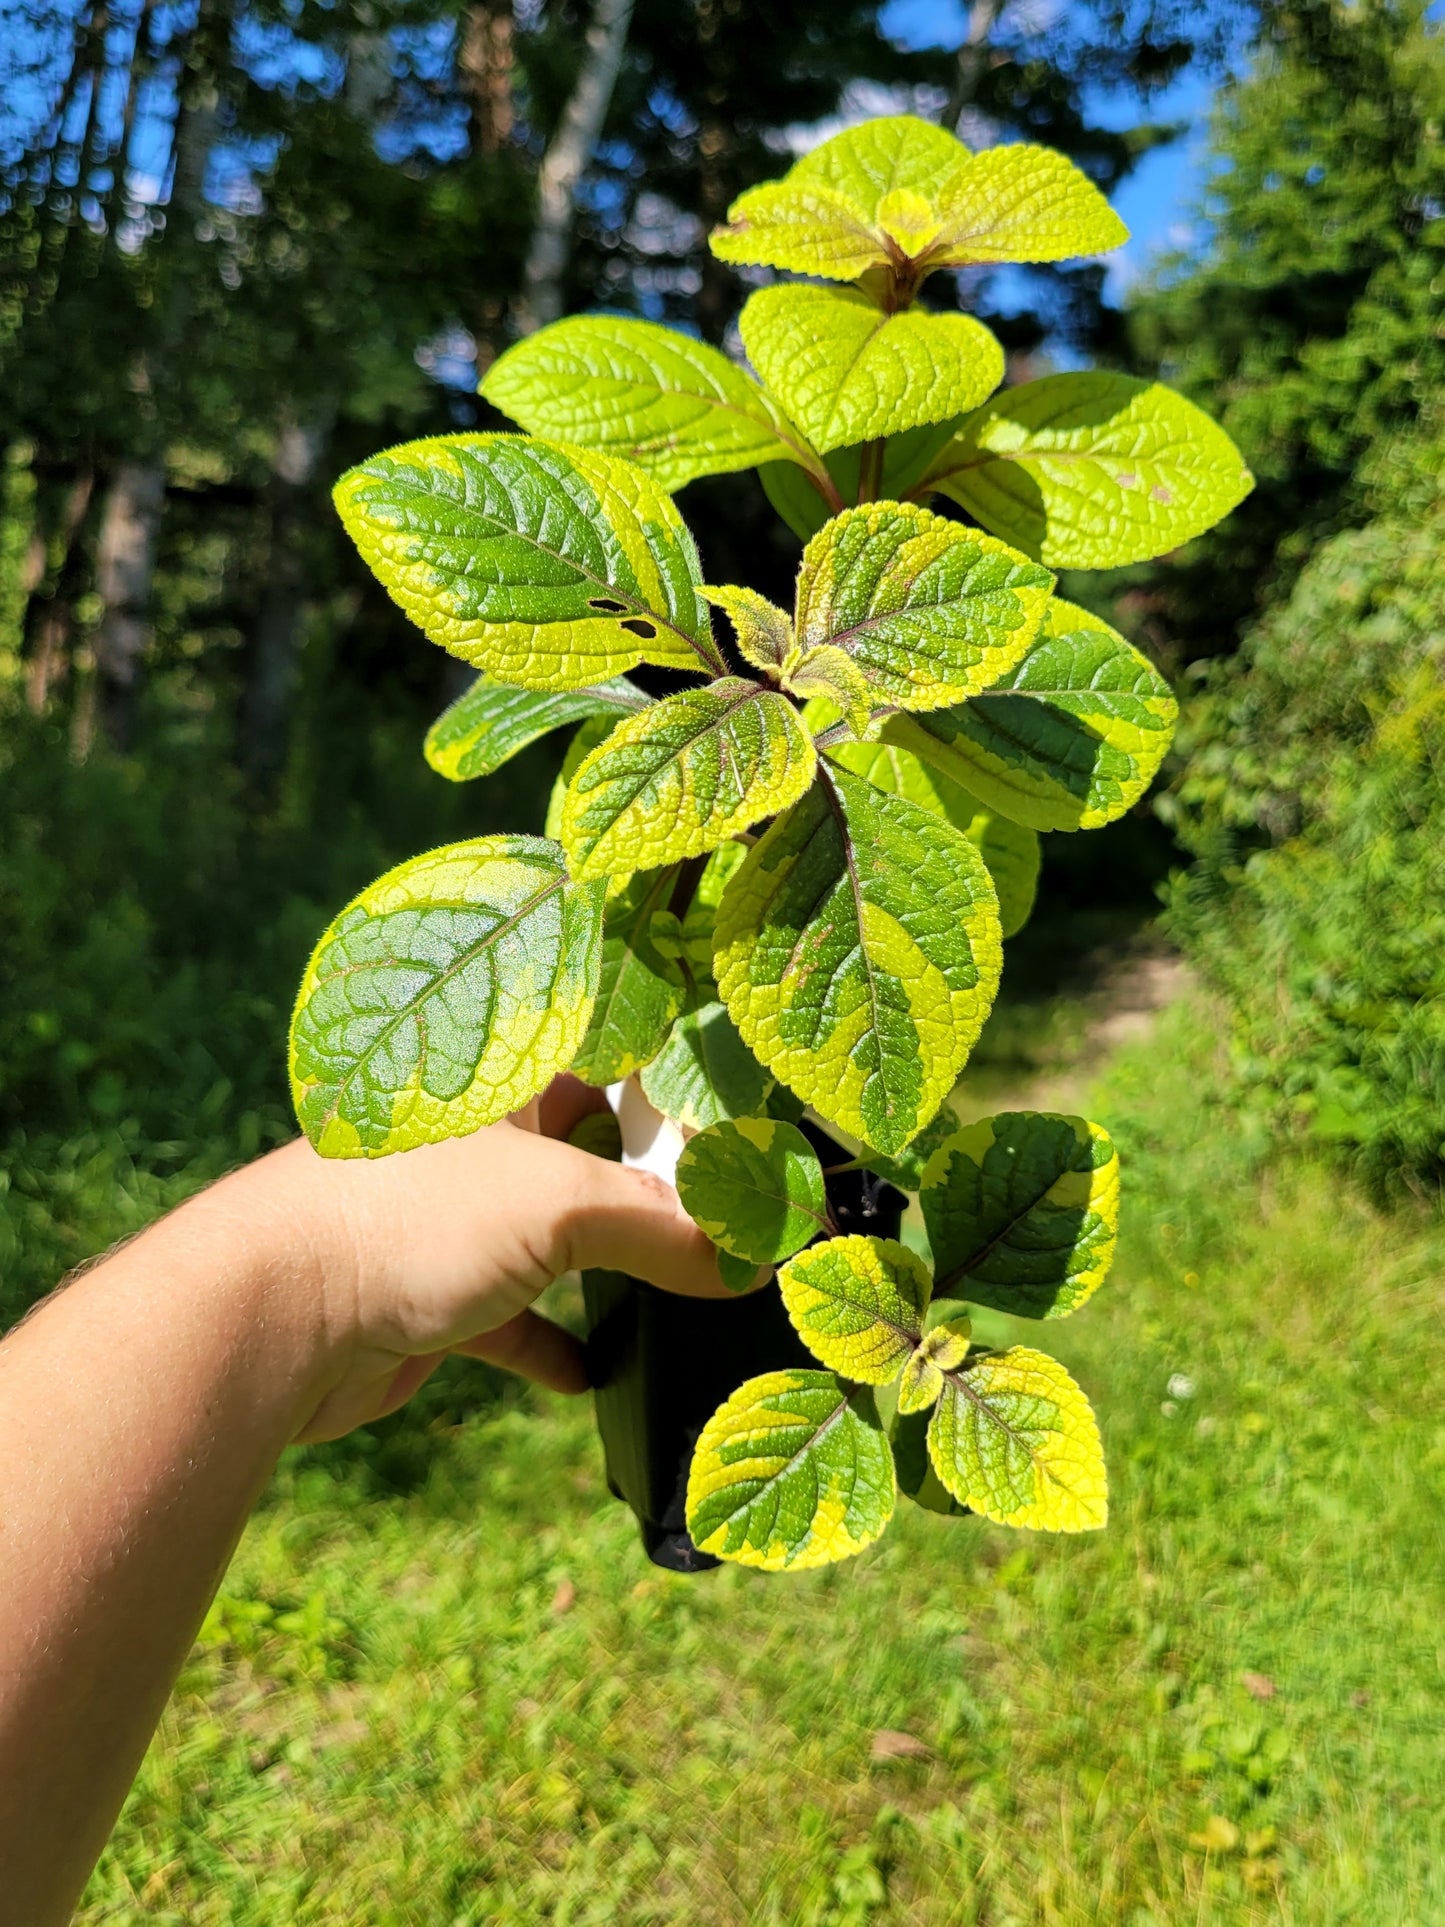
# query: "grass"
[442,1687]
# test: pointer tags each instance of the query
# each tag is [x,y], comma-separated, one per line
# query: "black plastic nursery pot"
[661,1365]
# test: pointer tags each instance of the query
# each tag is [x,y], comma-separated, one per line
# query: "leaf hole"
[607,605]
[640,627]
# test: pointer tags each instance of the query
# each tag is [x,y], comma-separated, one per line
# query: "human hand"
[443,1249]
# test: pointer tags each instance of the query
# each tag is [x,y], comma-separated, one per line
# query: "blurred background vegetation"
[245,243]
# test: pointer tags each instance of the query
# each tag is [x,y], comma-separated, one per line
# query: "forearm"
[141,1411]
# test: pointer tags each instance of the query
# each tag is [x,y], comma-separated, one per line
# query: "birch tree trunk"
[566,158]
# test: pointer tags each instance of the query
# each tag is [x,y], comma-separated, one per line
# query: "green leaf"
[664,400]
[1011,852]
[492,721]
[943,1348]
[1021,203]
[584,740]
[795,498]
[764,631]
[705,1072]
[857,1304]
[858,951]
[917,1480]
[1092,470]
[599,1135]
[685,775]
[906,1169]
[738,1274]
[929,610]
[755,1186]
[554,568]
[898,190]
[641,990]
[447,994]
[1069,740]
[847,372]
[793,1471]
[700,918]
[1022,1212]
[1013,1437]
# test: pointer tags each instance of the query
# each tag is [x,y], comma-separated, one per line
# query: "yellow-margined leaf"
[764,631]
[490,722]
[447,994]
[684,775]
[858,951]
[1013,1437]
[1022,1212]
[931,612]
[858,1304]
[551,567]
[793,1471]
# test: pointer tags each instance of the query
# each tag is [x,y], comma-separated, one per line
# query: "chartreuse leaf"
[1013,1437]
[1021,203]
[705,1072]
[641,989]
[1092,470]
[858,1304]
[551,567]
[447,994]
[1011,852]
[664,400]
[902,194]
[684,775]
[764,631]
[1068,740]
[858,951]
[929,610]
[492,721]
[942,1349]
[847,372]
[793,1471]
[1022,1212]
[755,1186]
[830,673]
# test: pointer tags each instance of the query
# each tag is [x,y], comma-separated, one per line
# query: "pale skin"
[143,1408]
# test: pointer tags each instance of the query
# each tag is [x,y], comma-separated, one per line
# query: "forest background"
[245,243]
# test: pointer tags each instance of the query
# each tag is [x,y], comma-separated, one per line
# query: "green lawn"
[443,1687]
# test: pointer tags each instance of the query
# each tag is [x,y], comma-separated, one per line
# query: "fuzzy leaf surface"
[666,401]
[1092,470]
[857,1304]
[530,559]
[793,1471]
[930,611]
[1011,852]
[858,951]
[755,1186]
[943,1348]
[1014,1438]
[684,775]
[705,1072]
[1022,1211]
[1021,203]
[641,989]
[846,372]
[445,995]
[764,631]
[1069,740]
[488,724]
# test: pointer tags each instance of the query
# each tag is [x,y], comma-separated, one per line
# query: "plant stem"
[689,875]
[870,469]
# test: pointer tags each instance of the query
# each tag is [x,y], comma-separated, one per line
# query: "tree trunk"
[486,64]
[125,561]
[50,620]
[566,157]
[972,60]
[276,639]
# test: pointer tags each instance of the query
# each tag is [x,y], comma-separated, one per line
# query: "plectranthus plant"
[783,884]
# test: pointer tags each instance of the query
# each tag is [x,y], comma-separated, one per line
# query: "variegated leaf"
[858,1304]
[1013,1437]
[492,721]
[755,1186]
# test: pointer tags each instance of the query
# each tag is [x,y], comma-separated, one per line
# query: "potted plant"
[774,897]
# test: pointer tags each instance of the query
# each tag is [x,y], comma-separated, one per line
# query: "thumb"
[619,1219]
